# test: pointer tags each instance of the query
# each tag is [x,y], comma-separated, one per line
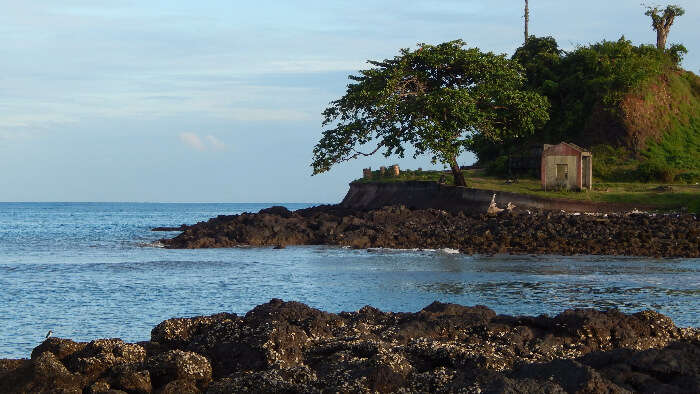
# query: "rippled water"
[83,271]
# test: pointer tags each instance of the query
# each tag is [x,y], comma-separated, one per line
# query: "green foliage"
[661,19]
[653,170]
[588,79]
[498,166]
[676,52]
[540,56]
[408,175]
[587,89]
[613,164]
[689,176]
[436,99]
[602,73]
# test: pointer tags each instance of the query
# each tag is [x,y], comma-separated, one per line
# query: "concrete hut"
[566,166]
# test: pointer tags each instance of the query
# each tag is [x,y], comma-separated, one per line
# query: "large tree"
[661,21]
[435,99]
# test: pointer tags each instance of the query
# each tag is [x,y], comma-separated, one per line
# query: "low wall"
[422,195]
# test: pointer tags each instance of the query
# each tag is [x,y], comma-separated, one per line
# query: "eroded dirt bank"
[288,347]
[539,232]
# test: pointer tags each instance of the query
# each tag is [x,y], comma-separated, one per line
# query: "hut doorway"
[587,176]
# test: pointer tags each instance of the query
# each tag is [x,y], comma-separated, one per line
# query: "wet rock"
[50,375]
[179,387]
[101,386]
[278,211]
[181,227]
[130,379]
[100,355]
[286,380]
[60,347]
[9,365]
[184,333]
[179,365]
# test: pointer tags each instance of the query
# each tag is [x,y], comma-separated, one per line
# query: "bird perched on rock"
[48,334]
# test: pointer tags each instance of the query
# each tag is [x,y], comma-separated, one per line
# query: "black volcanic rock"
[398,227]
[292,348]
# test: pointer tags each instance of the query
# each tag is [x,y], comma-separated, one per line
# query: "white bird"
[48,334]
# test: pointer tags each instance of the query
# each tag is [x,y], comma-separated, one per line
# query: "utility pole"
[527,19]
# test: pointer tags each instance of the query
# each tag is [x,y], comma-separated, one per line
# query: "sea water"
[93,270]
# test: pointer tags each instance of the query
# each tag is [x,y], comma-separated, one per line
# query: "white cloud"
[215,143]
[207,143]
[193,141]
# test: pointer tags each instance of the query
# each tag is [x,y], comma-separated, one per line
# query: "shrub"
[498,166]
[650,171]
[691,176]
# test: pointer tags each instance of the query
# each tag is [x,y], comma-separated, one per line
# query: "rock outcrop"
[292,348]
[540,232]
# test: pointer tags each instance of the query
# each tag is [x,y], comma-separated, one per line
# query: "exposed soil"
[398,227]
[288,347]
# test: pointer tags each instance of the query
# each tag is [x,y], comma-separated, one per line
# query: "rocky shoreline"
[538,232]
[288,347]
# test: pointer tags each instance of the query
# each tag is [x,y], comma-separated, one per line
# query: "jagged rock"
[504,232]
[179,333]
[180,387]
[9,365]
[100,355]
[179,365]
[292,348]
[60,347]
[130,378]
[48,375]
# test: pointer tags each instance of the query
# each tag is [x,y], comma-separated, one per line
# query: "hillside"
[633,106]
[654,134]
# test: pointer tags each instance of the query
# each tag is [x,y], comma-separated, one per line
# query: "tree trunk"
[457,174]
[527,20]
[661,35]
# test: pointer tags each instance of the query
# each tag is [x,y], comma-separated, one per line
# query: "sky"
[221,101]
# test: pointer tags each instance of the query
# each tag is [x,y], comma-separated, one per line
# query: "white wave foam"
[154,244]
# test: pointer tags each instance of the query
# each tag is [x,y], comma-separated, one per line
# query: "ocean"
[94,270]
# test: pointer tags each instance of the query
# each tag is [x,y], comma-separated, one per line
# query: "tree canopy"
[436,99]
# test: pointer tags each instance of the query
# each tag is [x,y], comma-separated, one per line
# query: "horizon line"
[158,202]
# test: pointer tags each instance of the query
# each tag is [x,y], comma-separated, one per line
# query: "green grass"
[682,196]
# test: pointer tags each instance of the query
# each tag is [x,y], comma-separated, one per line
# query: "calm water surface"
[88,271]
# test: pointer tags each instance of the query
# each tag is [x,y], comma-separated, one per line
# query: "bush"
[612,164]
[498,166]
[688,177]
[656,171]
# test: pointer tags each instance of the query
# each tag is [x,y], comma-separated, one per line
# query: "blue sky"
[221,100]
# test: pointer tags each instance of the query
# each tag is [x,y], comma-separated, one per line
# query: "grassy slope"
[664,116]
[683,195]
